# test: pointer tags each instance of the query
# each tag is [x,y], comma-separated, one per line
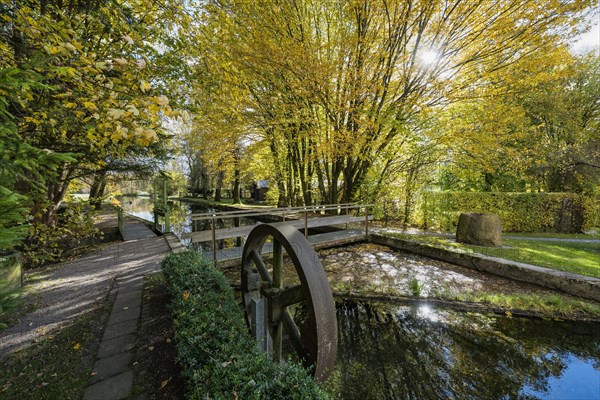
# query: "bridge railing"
[304,217]
[340,208]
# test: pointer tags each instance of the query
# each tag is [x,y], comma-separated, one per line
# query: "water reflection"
[391,352]
[181,221]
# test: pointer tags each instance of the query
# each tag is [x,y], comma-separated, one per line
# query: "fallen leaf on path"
[164,383]
[77,346]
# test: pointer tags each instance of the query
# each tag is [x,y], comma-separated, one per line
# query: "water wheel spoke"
[277,264]
[261,267]
[294,333]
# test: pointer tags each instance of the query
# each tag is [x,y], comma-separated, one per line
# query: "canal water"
[181,221]
[417,352]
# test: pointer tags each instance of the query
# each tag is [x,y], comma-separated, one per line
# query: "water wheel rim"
[320,340]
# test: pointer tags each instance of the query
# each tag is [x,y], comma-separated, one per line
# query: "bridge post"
[120,221]
[367,222]
[165,199]
[305,223]
[214,241]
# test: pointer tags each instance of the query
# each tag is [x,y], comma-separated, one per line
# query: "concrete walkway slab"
[114,388]
[111,366]
[117,345]
[120,329]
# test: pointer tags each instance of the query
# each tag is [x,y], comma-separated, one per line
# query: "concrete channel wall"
[578,285]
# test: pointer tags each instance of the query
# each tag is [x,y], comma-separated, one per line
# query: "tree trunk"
[97,190]
[236,187]
[55,194]
[219,186]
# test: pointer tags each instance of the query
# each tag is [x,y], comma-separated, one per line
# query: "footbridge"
[323,226]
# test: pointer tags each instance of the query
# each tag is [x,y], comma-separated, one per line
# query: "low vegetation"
[8,303]
[58,366]
[519,212]
[73,233]
[555,306]
[218,358]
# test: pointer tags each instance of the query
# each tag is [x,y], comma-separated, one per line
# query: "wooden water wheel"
[315,337]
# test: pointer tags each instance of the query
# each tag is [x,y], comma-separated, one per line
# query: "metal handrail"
[271,211]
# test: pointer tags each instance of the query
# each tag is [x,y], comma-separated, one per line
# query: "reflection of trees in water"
[220,223]
[136,204]
[404,355]
[179,216]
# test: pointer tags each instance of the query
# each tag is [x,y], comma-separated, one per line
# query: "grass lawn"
[554,235]
[56,367]
[579,258]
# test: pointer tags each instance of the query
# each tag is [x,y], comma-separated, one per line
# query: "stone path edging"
[578,285]
[113,371]
[113,376]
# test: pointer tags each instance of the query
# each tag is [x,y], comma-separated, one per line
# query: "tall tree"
[330,85]
[541,132]
[95,60]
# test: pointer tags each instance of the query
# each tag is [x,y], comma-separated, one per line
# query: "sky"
[589,40]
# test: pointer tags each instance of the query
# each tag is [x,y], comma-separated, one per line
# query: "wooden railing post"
[367,222]
[214,242]
[305,223]
[167,221]
[120,221]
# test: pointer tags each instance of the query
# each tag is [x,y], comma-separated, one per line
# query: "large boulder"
[479,229]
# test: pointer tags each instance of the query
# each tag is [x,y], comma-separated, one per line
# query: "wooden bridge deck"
[134,230]
[243,231]
[319,241]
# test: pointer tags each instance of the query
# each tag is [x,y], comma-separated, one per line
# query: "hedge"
[219,359]
[519,212]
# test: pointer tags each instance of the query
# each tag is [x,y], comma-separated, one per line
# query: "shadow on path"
[77,287]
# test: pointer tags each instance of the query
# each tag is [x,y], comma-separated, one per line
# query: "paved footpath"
[116,271]
[113,374]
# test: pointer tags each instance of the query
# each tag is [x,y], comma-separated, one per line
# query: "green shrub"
[74,230]
[8,302]
[219,359]
[13,216]
[519,212]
